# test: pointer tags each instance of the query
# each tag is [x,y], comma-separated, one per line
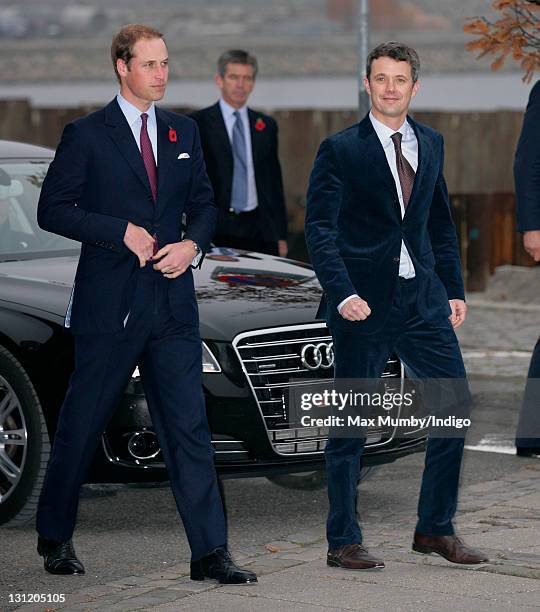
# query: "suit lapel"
[377,158]
[219,131]
[166,150]
[425,156]
[121,134]
[255,136]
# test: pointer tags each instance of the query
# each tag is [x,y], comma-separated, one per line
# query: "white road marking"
[503,444]
[497,354]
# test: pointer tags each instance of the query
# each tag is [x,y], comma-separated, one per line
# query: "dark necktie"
[148,156]
[405,171]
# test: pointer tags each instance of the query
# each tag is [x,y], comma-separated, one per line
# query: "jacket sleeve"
[527,166]
[324,197]
[58,208]
[201,211]
[442,232]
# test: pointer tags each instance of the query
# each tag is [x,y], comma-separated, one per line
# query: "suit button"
[396,259]
[150,198]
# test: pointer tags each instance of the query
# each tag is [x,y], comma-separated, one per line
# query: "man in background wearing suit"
[120,182]
[527,178]
[383,245]
[241,152]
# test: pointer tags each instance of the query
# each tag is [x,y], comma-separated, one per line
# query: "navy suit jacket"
[268,178]
[527,166]
[97,182]
[354,227]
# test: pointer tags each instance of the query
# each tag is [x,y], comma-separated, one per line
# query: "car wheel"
[309,481]
[24,444]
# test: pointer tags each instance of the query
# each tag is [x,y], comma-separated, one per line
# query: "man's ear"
[415,88]
[366,85]
[122,67]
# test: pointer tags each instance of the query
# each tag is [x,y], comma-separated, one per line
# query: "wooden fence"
[478,168]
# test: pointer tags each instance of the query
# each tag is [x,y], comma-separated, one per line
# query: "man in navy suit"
[527,179]
[121,180]
[241,153]
[382,242]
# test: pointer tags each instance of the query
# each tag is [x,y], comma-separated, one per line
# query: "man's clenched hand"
[356,309]
[139,241]
[531,242]
[459,312]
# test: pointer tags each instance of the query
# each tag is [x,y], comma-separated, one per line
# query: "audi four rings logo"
[315,356]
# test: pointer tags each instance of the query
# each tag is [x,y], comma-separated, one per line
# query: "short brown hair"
[236,56]
[124,41]
[396,51]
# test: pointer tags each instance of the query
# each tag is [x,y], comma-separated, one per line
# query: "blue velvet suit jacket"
[527,166]
[97,183]
[354,227]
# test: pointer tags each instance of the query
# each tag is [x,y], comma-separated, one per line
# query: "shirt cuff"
[196,260]
[341,304]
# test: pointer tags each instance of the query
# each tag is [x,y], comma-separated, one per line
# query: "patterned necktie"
[148,156]
[240,178]
[405,171]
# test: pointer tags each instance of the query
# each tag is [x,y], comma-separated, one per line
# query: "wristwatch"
[197,247]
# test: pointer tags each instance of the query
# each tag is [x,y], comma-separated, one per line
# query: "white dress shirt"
[409,148]
[133,117]
[227,112]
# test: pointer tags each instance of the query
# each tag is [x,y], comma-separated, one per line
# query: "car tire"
[24,444]
[309,481]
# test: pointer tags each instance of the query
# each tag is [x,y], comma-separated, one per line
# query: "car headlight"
[209,363]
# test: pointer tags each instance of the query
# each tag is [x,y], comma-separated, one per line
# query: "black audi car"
[260,336]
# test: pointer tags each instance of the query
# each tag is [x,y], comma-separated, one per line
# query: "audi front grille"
[276,359]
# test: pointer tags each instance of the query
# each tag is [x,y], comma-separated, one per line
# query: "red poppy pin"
[260,125]
[172,135]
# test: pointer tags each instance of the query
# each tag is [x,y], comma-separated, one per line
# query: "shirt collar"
[384,132]
[228,111]
[132,113]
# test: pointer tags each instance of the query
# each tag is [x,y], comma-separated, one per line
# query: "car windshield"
[20,235]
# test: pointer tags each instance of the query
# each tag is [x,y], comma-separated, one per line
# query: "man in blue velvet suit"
[527,178]
[382,242]
[121,180]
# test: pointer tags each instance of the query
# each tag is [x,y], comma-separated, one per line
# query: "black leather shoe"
[59,557]
[219,566]
[528,451]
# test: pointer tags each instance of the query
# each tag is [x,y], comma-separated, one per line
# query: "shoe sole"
[376,568]
[426,550]
[61,573]
[222,581]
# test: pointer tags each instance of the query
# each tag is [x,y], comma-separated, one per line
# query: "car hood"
[237,290]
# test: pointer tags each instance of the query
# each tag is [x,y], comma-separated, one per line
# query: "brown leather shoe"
[450,547]
[353,557]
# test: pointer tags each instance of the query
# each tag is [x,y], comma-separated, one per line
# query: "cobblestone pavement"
[502,517]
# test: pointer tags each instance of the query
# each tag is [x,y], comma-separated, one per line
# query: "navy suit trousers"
[429,351]
[528,429]
[169,357]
